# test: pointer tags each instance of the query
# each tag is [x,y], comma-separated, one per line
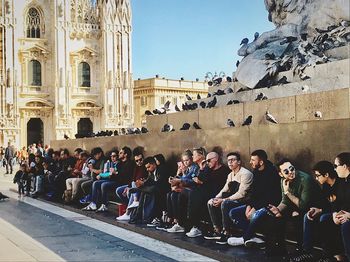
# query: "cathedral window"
[33,22]
[34,73]
[84,74]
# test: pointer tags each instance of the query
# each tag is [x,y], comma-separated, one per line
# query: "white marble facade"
[64,62]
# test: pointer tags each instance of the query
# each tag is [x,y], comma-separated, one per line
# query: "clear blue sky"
[187,38]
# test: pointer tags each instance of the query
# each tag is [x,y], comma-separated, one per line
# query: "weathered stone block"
[332,104]
[178,119]
[155,123]
[283,109]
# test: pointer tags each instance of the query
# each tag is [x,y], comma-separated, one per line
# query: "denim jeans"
[220,215]
[100,189]
[128,199]
[345,231]
[309,229]
[249,227]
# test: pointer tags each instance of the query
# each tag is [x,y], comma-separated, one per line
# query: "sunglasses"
[138,160]
[208,160]
[288,170]
[335,166]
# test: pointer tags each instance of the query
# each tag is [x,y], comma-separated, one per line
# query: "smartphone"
[269,212]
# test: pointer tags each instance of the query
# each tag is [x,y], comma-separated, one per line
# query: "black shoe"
[302,257]
[212,235]
[164,226]
[222,240]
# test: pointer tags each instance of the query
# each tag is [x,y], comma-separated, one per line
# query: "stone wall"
[305,142]
[333,104]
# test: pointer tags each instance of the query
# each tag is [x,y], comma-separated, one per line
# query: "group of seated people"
[204,191]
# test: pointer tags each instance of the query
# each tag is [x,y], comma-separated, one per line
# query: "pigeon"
[318,114]
[188,97]
[196,126]
[3,197]
[228,79]
[230,123]
[237,63]
[144,130]
[202,104]
[303,36]
[228,90]
[256,36]
[185,126]
[66,137]
[115,133]
[282,81]
[209,95]
[288,39]
[210,83]
[166,105]
[217,81]
[303,76]
[219,92]
[177,109]
[271,56]
[270,118]
[244,41]
[185,107]
[259,97]
[248,121]
[212,103]
[167,128]
[199,96]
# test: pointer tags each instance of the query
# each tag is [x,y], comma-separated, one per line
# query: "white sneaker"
[176,229]
[102,208]
[134,204]
[194,232]
[90,207]
[255,241]
[235,241]
[124,217]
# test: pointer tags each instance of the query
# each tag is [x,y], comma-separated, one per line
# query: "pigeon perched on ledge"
[248,121]
[230,123]
[270,118]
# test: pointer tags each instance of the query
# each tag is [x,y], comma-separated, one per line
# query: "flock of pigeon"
[123,131]
[186,126]
[302,52]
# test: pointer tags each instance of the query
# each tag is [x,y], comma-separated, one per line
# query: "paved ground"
[31,230]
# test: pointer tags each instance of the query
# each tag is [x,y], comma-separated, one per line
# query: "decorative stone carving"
[292,18]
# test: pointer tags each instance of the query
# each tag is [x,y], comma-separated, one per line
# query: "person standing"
[9,155]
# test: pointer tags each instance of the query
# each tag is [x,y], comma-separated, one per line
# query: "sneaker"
[235,241]
[176,229]
[90,207]
[102,208]
[222,240]
[124,217]
[155,222]
[212,235]
[254,242]
[302,257]
[164,226]
[194,232]
[85,200]
[134,204]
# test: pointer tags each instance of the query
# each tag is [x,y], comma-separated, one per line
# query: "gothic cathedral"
[65,68]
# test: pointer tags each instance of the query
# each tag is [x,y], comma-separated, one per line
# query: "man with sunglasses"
[300,192]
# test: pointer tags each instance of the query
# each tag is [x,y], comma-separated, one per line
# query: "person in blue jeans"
[317,218]
[124,195]
[264,190]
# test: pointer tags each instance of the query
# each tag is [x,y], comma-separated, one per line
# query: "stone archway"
[35,131]
[85,126]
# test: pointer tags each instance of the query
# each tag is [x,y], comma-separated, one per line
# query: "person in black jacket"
[265,190]
[318,217]
[153,194]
